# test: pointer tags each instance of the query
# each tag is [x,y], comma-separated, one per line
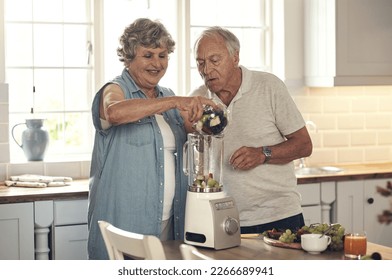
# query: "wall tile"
[386,104]
[4,133]
[364,138]
[336,139]
[352,121]
[322,155]
[377,154]
[351,155]
[4,153]
[364,104]
[336,104]
[27,168]
[385,138]
[309,104]
[4,93]
[4,113]
[69,169]
[3,172]
[324,121]
[378,121]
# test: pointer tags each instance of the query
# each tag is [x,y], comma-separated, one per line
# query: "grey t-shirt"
[260,114]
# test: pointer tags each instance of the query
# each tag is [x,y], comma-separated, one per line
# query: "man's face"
[215,64]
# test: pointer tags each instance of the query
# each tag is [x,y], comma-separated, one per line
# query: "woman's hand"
[194,106]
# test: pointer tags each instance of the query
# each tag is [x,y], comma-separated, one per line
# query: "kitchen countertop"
[76,189]
[350,172]
[256,249]
[79,188]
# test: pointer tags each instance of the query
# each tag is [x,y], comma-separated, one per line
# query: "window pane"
[76,86]
[75,11]
[75,45]
[68,133]
[19,51]
[48,10]
[226,13]
[48,45]
[48,95]
[20,94]
[14,11]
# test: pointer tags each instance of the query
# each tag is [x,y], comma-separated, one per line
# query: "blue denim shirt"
[127,172]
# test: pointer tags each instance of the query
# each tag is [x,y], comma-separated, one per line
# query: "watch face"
[267,151]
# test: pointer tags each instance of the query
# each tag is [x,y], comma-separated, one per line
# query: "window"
[248,20]
[49,69]
[58,56]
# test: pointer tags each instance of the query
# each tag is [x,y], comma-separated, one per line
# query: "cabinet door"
[312,214]
[17,231]
[310,194]
[70,242]
[349,209]
[374,205]
[363,39]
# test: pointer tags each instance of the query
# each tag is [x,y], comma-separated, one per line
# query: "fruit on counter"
[335,231]
[206,181]
[212,122]
[288,236]
[374,256]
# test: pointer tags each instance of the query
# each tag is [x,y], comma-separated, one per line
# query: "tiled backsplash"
[354,125]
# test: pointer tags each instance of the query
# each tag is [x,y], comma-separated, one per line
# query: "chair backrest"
[189,252]
[119,242]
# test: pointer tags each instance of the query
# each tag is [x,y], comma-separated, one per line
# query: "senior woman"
[136,178]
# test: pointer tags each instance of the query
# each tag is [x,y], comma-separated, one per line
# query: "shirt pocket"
[141,133]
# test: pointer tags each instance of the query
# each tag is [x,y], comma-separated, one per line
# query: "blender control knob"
[231,225]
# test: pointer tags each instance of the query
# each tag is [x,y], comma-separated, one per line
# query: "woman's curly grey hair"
[146,33]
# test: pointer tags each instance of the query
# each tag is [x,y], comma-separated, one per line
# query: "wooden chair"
[189,252]
[120,243]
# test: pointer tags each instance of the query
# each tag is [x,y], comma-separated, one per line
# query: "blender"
[211,216]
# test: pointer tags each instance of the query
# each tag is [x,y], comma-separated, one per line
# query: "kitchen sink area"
[318,170]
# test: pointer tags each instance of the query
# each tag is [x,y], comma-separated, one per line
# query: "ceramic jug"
[35,139]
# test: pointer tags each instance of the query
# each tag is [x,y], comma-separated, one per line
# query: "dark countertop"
[351,172]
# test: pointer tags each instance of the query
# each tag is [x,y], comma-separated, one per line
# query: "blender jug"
[203,158]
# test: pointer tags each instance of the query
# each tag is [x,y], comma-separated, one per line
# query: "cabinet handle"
[370,200]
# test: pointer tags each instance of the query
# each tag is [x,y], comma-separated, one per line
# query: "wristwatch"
[267,153]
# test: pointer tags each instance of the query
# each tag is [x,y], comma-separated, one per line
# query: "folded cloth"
[40,178]
[25,184]
[37,181]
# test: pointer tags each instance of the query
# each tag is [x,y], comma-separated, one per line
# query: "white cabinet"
[316,201]
[17,231]
[348,42]
[359,204]
[310,201]
[70,229]
[374,205]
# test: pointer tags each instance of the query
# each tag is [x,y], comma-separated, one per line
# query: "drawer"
[70,212]
[70,242]
[310,194]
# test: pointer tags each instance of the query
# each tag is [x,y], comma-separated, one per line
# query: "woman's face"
[148,66]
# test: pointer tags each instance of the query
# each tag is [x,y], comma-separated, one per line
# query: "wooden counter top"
[77,189]
[350,172]
[257,249]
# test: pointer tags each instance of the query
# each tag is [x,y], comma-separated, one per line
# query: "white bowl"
[313,244]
